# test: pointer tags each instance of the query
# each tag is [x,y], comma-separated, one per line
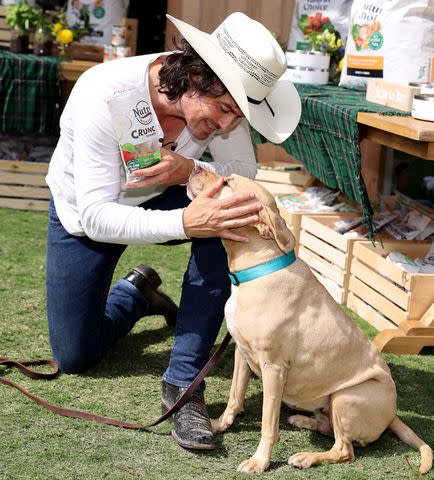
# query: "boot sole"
[192,445]
[182,443]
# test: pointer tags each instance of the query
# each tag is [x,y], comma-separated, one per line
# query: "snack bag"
[133,122]
[312,15]
[390,39]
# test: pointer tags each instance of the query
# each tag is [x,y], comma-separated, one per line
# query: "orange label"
[365,63]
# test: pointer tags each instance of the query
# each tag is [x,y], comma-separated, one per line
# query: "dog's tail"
[407,435]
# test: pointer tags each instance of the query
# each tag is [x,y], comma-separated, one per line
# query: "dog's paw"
[222,424]
[253,465]
[226,420]
[302,460]
[302,421]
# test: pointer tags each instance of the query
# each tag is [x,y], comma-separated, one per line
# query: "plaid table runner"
[326,140]
[29,93]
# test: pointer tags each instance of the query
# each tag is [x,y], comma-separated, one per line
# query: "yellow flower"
[57,27]
[339,42]
[65,36]
[341,64]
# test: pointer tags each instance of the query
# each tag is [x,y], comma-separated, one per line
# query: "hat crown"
[253,51]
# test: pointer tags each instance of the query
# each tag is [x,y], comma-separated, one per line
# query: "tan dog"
[308,353]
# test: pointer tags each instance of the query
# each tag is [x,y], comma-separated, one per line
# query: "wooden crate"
[327,252]
[22,185]
[291,177]
[395,302]
[275,174]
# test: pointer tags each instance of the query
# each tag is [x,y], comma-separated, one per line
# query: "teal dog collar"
[262,269]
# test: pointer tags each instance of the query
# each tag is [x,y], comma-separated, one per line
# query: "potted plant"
[43,38]
[21,18]
[65,34]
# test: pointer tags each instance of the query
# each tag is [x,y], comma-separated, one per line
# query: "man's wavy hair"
[184,70]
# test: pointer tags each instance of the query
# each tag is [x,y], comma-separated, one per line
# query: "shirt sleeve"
[233,153]
[97,174]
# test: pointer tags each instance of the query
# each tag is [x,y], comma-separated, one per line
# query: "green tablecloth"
[326,140]
[29,93]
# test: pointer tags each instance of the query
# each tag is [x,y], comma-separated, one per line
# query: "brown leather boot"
[147,281]
[192,426]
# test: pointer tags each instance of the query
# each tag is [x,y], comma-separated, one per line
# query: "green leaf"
[129,147]
[355,30]
[302,22]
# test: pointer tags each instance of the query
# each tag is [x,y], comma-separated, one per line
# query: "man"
[167,107]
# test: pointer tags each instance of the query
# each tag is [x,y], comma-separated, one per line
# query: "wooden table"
[406,134]
[415,137]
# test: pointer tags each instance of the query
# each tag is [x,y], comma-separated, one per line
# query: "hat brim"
[283,98]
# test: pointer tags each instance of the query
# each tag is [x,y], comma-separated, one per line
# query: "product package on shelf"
[381,34]
[398,217]
[312,201]
[311,15]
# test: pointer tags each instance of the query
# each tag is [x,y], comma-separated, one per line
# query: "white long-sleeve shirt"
[86,172]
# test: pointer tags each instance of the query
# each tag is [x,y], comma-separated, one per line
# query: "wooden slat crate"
[395,302]
[5,32]
[286,181]
[22,185]
[281,188]
[327,252]
[274,159]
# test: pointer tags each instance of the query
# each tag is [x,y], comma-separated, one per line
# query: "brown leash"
[22,366]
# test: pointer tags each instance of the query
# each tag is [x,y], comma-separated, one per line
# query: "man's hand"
[208,217]
[173,169]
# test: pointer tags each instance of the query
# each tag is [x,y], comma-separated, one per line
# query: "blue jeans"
[86,318]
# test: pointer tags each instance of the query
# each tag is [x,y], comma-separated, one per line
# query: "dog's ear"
[271,225]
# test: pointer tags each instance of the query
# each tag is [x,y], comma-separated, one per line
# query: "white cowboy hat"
[250,63]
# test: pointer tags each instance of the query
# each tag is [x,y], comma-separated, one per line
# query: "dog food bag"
[389,39]
[133,122]
[103,14]
[311,15]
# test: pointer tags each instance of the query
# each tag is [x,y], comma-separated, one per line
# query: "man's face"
[206,115]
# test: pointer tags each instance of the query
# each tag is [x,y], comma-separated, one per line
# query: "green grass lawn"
[36,444]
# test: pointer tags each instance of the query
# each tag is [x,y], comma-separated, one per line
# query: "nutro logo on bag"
[135,131]
[143,113]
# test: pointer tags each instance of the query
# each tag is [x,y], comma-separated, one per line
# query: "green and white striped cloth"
[29,93]
[326,140]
